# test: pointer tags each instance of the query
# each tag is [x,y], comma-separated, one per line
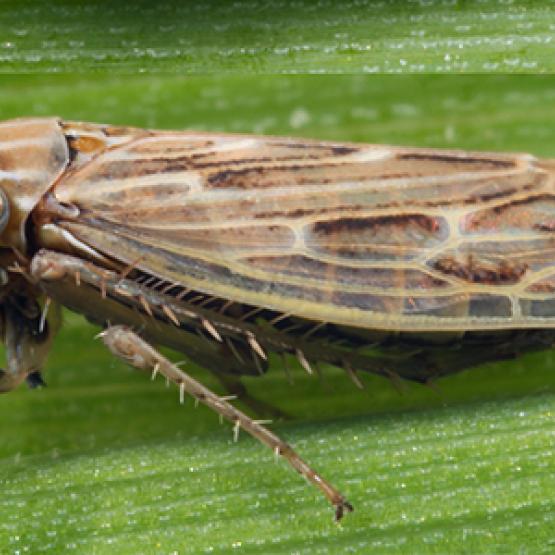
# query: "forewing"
[364,235]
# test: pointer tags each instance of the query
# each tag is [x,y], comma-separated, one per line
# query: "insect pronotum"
[229,247]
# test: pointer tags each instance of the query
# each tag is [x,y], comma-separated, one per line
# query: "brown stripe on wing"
[224,169]
[178,264]
[463,159]
[397,164]
[346,177]
[346,199]
[533,212]
[377,237]
[213,277]
[505,261]
[267,152]
[359,199]
[336,274]
[433,309]
[218,241]
[169,145]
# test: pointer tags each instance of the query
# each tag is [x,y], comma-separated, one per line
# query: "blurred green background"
[104,461]
[285,36]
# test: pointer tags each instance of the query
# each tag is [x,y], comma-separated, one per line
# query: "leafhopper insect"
[405,262]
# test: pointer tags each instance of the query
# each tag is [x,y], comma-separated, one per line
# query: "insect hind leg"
[127,345]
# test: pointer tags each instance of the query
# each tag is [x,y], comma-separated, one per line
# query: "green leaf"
[291,36]
[106,461]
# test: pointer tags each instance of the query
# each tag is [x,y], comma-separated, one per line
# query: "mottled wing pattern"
[364,235]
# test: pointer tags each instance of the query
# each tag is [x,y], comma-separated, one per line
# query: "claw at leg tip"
[341,508]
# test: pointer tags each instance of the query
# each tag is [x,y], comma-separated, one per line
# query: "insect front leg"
[127,345]
[105,296]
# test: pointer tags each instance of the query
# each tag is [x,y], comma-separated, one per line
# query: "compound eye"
[4,210]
